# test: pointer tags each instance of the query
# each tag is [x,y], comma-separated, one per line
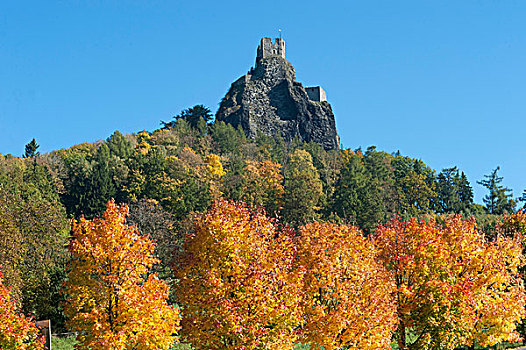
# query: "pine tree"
[499,199]
[31,149]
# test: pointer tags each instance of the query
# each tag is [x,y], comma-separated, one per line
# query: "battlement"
[267,48]
[316,93]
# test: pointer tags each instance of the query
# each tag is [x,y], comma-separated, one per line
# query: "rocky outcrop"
[270,101]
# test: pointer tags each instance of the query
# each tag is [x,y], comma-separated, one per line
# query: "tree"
[119,145]
[31,149]
[160,226]
[347,293]
[114,302]
[499,199]
[352,195]
[263,185]
[415,184]
[522,198]
[228,139]
[454,193]
[191,115]
[237,288]
[303,188]
[17,332]
[452,287]
[33,235]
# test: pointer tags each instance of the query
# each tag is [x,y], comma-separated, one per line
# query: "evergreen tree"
[119,145]
[91,185]
[192,116]
[465,192]
[499,199]
[31,149]
[523,199]
[351,189]
[454,192]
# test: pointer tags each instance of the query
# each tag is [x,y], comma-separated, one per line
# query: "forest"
[195,234]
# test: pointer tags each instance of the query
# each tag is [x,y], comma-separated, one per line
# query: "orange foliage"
[236,286]
[453,287]
[347,294]
[114,301]
[17,332]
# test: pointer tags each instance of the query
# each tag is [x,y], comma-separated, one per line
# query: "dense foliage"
[237,288]
[114,302]
[17,332]
[347,295]
[282,237]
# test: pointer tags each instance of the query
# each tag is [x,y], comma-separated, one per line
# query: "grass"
[63,343]
[69,342]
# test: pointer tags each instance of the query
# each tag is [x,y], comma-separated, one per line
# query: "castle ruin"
[267,48]
[269,101]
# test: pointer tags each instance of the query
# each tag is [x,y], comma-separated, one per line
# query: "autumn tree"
[114,302]
[347,293]
[237,288]
[17,332]
[452,287]
[264,185]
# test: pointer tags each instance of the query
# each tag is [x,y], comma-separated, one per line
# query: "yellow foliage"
[214,165]
[236,283]
[347,294]
[114,301]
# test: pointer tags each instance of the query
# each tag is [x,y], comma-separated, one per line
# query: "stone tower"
[266,49]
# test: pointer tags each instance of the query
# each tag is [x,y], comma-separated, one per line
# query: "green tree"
[119,145]
[33,234]
[415,185]
[303,189]
[31,149]
[228,139]
[454,193]
[192,115]
[350,195]
[499,199]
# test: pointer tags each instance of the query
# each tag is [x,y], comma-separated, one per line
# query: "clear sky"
[443,81]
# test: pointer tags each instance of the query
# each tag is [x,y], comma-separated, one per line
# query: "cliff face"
[270,101]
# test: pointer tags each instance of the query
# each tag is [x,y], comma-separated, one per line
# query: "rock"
[270,101]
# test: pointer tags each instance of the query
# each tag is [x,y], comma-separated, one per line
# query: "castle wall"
[316,93]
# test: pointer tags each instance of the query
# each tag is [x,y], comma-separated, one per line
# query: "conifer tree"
[499,199]
[31,149]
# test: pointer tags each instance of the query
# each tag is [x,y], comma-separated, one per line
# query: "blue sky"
[443,81]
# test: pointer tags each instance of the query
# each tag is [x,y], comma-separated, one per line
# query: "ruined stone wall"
[316,93]
[267,48]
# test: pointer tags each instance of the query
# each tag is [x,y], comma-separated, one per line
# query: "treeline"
[170,175]
[189,163]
